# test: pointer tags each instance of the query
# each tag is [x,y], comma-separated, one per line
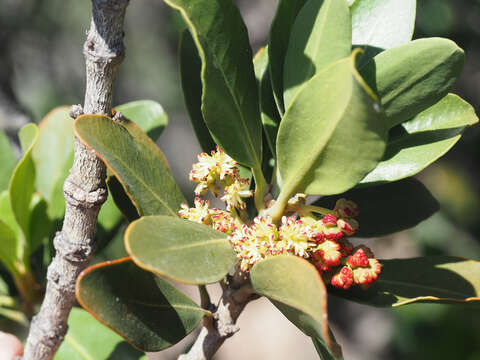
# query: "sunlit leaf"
[296,288]
[332,135]
[321,35]
[135,160]
[412,77]
[179,249]
[419,142]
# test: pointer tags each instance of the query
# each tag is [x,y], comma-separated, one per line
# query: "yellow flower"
[297,235]
[200,213]
[234,194]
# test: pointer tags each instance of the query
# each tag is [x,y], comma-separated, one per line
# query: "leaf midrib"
[309,164]
[192,245]
[154,194]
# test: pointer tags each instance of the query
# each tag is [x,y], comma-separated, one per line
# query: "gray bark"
[237,293]
[84,189]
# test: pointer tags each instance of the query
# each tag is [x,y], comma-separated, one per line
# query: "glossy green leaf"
[296,288]
[229,92]
[190,70]
[179,249]
[7,161]
[9,246]
[53,158]
[87,339]
[22,182]
[388,208]
[419,142]
[268,109]
[383,24]
[278,39]
[144,309]
[147,114]
[135,160]
[435,279]
[321,35]
[332,134]
[410,78]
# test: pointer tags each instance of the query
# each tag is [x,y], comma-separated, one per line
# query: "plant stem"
[84,188]
[260,188]
[318,210]
[237,293]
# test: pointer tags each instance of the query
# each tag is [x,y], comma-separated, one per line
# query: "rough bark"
[84,189]
[237,293]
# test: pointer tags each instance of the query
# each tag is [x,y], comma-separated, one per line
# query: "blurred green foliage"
[42,67]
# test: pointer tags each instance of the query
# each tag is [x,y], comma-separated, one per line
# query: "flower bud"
[348,226]
[365,276]
[346,209]
[358,259]
[329,220]
[343,279]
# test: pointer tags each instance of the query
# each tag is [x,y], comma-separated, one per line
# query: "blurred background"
[42,67]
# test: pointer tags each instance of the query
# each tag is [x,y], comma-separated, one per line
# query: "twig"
[237,293]
[84,189]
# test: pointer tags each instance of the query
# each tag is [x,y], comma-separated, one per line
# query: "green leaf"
[135,160]
[10,249]
[147,114]
[190,69]
[296,288]
[6,212]
[419,142]
[179,249]
[121,199]
[268,109]
[87,339]
[109,216]
[324,352]
[40,224]
[229,93]
[321,35]
[388,208]
[331,136]
[383,24]
[22,182]
[53,158]
[144,309]
[278,40]
[435,279]
[410,78]
[7,161]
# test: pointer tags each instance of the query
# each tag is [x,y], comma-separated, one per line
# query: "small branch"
[237,293]
[260,188]
[84,188]
[205,301]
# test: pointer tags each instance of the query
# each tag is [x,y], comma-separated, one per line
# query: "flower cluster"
[219,168]
[321,239]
